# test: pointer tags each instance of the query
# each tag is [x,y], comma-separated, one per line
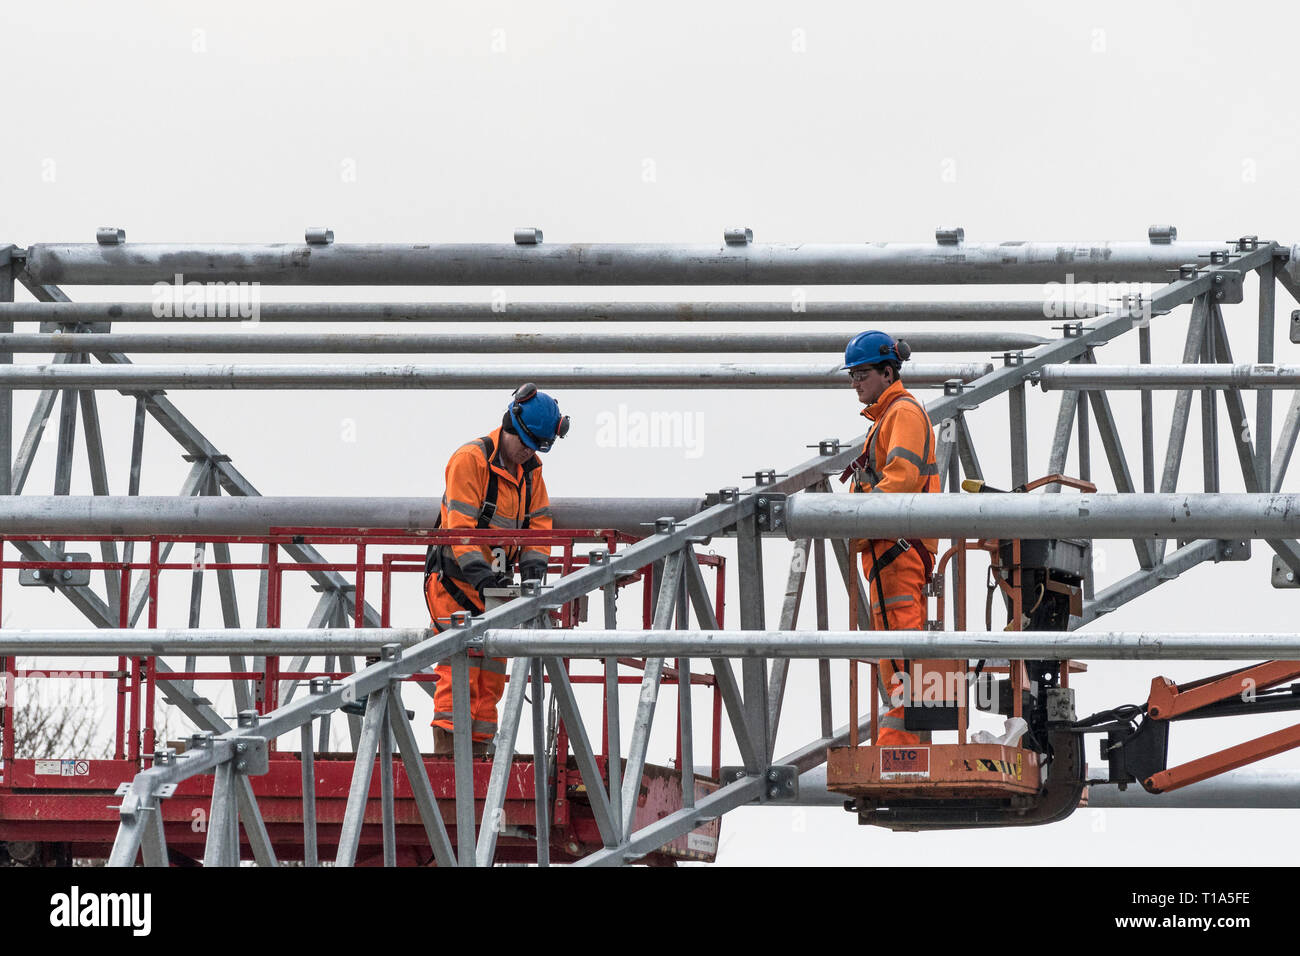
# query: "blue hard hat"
[536,417]
[874,348]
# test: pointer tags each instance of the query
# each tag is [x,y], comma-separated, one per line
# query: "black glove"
[488,579]
[533,570]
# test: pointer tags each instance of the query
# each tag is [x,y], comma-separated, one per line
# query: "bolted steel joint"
[390,652]
[828,446]
[1295,326]
[599,556]
[765,477]
[950,235]
[1248,243]
[1013,358]
[321,685]
[1188,271]
[201,740]
[665,525]
[771,512]
[728,495]
[738,236]
[461,618]
[530,588]
[319,236]
[164,757]
[953,386]
[248,718]
[110,236]
[528,236]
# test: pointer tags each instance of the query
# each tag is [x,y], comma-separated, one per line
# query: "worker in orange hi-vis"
[897,458]
[492,482]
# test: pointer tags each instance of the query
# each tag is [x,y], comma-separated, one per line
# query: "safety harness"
[439,560]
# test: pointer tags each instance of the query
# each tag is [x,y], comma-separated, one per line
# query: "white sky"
[396,122]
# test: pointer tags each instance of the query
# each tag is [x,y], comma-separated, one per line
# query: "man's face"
[513,450]
[869,381]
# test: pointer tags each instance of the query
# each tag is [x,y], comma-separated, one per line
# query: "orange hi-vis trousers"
[487,675]
[902,583]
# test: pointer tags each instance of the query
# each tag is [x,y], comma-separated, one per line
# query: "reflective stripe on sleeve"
[898,451]
[461,507]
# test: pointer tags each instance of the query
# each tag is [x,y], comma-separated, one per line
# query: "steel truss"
[1202,275]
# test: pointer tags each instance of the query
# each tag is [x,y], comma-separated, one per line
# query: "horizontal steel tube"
[535,312]
[1235,790]
[150,643]
[1036,645]
[55,515]
[1043,516]
[587,343]
[491,264]
[725,375]
[1168,376]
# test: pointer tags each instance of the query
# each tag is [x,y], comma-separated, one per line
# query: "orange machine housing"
[933,772]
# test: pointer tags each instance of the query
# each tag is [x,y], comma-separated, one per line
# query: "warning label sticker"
[63,768]
[898,762]
[701,843]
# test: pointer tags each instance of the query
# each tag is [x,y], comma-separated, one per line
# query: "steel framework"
[1146,506]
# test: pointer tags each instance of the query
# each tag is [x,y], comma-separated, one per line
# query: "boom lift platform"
[1040,777]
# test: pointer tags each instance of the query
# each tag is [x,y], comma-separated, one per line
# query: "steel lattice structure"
[1195,279]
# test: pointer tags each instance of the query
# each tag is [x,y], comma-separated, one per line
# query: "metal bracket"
[1233,550]
[782,782]
[251,756]
[1228,286]
[771,512]
[828,446]
[1060,705]
[1295,326]
[162,792]
[51,577]
[738,236]
[1162,235]
[1283,577]
[950,235]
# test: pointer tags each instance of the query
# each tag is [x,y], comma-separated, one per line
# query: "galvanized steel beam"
[402,377]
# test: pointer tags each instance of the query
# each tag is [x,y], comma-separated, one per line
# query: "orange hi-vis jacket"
[899,453]
[482,491]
